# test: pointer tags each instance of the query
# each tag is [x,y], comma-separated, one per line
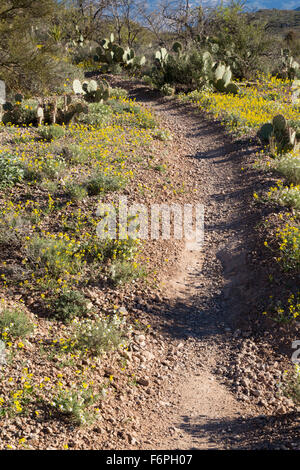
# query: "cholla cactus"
[40,115]
[289,65]
[167,90]
[296,92]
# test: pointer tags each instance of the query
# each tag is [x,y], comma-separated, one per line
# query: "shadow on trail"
[231,220]
[261,432]
[229,284]
[204,314]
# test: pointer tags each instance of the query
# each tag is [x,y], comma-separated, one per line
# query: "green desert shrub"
[11,171]
[98,115]
[147,80]
[118,93]
[167,90]
[75,191]
[123,272]
[74,153]
[51,132]
[53,255]
[76,405]
[291,385]
[289,167]
[288,196]
[48,167]
[162,134]
[15,323]
[97,337]
[103,183]
[68,305]
[22,114]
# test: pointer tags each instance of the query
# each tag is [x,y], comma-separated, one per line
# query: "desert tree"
[243,41]
[30,61]
[125,19]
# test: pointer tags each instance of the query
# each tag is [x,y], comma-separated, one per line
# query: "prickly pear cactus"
[280,136]
[161,57]
[90,90]
[177,47]
[2,92]
[109,53]
[265,132]
[77,87]
[222,79]
[279,123]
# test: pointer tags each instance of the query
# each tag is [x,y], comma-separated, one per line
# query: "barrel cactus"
[13,111]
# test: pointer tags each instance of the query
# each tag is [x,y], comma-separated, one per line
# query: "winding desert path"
[208,302]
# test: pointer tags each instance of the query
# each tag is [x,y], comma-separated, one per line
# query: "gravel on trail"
[219,388]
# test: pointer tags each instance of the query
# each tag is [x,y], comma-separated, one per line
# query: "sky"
[279,4]
[256,4]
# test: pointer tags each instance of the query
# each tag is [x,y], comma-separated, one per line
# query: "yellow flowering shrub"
[252,107]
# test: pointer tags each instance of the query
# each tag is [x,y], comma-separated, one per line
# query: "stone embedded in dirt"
[256,392]
[47,430]
[147,356]
[121,434]
[143,381]
[245,382]
[140,339]
[173,430]
[108,372]
[165,363]
[123,311]
[97,429]
[132,440]
[164,403]
[288,402]
[281,409]
[263,403]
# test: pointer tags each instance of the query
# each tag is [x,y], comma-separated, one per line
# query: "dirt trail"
[208,300]
[203,399]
